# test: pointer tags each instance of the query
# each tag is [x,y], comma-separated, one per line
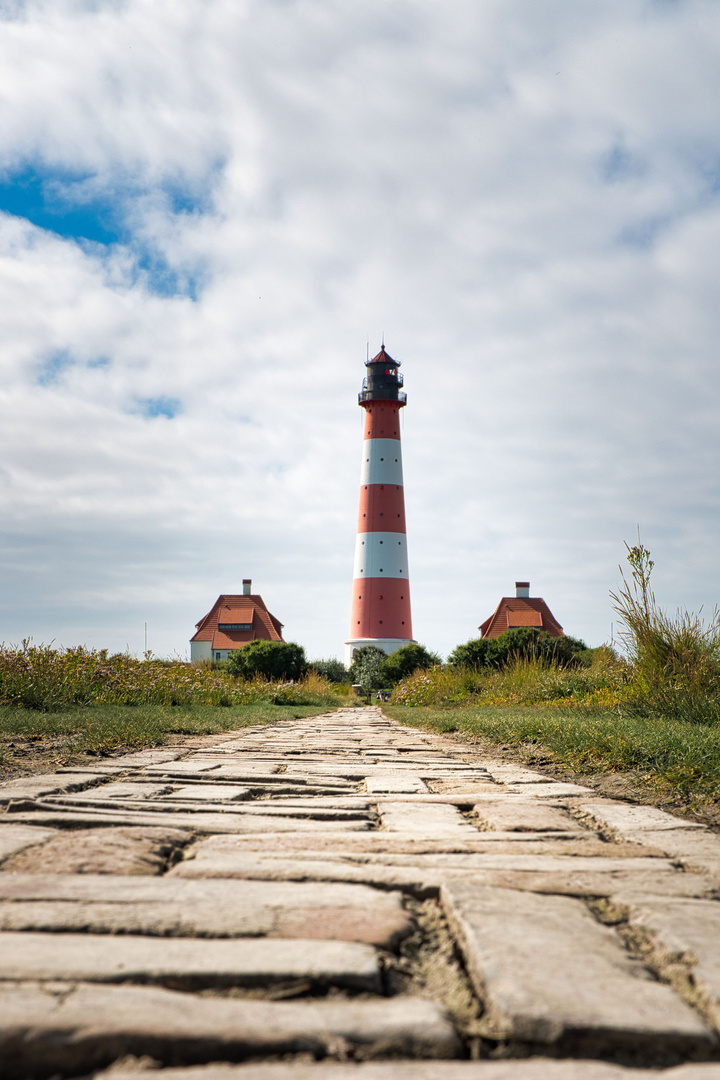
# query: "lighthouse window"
[382,541]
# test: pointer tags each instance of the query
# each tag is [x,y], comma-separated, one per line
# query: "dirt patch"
[23,755]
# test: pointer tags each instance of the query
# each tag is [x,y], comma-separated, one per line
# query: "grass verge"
[668,762]
[32,742]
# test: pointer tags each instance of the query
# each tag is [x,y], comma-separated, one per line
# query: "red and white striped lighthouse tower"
[380,611]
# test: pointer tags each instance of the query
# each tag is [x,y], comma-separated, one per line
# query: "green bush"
[526,643]
[405,660]
[366,668]
[270,659]
[333,670]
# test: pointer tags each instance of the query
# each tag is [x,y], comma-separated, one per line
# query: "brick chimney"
[522,588]
[247,586]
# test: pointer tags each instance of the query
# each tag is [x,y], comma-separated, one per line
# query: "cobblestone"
[391,903]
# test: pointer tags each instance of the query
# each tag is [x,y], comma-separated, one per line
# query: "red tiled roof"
[517,619]
[231,608]
[520,611]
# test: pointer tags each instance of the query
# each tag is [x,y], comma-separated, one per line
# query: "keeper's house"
[232,622]
[520,611]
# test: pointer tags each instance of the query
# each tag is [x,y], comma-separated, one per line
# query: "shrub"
[526,643]
[473,654]
[333,670]
[366,668]
[271,659]
[405,660]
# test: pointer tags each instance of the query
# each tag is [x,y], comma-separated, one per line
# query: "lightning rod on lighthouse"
[380,610]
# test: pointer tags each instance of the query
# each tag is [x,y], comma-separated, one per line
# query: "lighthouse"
[380,609]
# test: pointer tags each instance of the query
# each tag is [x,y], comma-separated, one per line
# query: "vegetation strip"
[669,761]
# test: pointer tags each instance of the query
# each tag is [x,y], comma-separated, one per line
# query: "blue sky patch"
[61,203]
[53,366]
[159,406]
[84,207]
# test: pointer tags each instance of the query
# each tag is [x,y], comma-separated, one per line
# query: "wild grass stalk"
[675,660]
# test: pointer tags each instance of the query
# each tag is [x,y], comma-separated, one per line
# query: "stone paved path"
[342,897]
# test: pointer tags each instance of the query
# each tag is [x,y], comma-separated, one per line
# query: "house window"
[235,626]
[218,656]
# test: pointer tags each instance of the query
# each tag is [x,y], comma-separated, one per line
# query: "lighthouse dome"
[383,380]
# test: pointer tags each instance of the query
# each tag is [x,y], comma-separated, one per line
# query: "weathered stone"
[201,908]
[688,841]
[74,1030]
[425,821]
[123,789]
[185,963]
[525,1069]
[550,974]
[33,787]
[210,793]
[172,767]
[630,820]
[548,789]
[404,783]
[14,838]
[123,850]
[228,819]
[684,931]
[422,876]
[526,815]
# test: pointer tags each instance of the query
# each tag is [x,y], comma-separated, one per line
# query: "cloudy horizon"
[209,211]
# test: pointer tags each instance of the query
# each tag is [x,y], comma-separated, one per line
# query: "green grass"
[32,741]
[675,760]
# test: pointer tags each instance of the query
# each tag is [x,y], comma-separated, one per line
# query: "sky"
[211,210]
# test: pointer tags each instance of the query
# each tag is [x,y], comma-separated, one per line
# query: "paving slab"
[685,931]
[434,820]
[185,963]
[202,908]
[422,877]
[14,838]
[32,787]
[523,815]
[138,788]
[88,1026]
[383,783]
[114,850]
[549,973]
[688,841]
[526,1069]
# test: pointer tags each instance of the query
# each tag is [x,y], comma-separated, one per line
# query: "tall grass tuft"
[675,660]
